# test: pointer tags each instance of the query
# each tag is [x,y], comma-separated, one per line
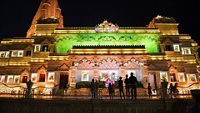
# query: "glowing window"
[172,77]
[33,77]
[2,78]
[112,75]
[16,79]
[163,76]
[2,54]
[37,48]
[10,79]
[7,54]
[20,53]
[85,75]
[51,76]
[192,77]
[176,47]
[186,50]
[14,53]
[181,77]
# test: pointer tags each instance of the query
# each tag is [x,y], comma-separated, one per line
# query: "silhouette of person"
[29,85]
[149,90]
[110,90]
[171,90]
[133,86]
[96,89]
[121,88]
[92,89]
[126,81]
[113,90]
[175,89]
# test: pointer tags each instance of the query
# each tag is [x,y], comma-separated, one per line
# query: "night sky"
[17,15]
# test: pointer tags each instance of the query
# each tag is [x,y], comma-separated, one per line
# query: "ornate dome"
[106,26]
[163,19]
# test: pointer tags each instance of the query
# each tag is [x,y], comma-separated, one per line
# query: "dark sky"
[16,15]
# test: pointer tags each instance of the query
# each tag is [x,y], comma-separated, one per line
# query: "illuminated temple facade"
[52,56]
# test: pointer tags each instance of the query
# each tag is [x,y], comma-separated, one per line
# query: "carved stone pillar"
[95,74]
[72,76]
[123,73]
[145,76]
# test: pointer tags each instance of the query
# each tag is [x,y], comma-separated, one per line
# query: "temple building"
[52,56]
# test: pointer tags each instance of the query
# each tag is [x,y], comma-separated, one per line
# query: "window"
[51,76]
[192,77]
[16,79]
[85,75]
[14,53]
[176,47]
[24,79]
[172,77]
[7,54]
[42,78]
[20,53]
[37,48]
[181,77]
[163,76]
[17,53]
[168,48]
[111,75]
[10,79]
[2,54]
[186,50]
[28,53]
[2,78]
[33,77]
[45,48]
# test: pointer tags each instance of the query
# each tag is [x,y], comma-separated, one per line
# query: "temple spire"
[47,9]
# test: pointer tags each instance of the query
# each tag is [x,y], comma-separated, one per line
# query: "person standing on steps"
[110,91]
[133,86]
[92,89]
[127,86]
[171,88]
[149,90]
[96,89]
[121,88]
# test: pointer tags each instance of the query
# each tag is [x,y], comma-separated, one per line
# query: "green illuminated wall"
[64,42]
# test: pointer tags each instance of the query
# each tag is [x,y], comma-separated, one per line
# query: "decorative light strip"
[55,58]
[185,37]
[18,63]
[4,64]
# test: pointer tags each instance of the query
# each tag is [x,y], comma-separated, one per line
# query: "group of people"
[173,89]
[130,87]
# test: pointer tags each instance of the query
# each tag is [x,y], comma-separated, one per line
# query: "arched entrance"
[64,78]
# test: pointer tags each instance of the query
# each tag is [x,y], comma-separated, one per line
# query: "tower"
[49,12]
